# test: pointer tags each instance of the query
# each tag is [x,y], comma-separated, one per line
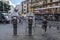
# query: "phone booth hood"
[30,15]
[14,17]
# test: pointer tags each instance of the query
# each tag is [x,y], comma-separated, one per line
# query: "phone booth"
[14,22]
[30,23]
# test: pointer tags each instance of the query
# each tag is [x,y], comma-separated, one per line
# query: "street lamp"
[3,5]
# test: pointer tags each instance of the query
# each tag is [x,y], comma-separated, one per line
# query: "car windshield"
[4,14]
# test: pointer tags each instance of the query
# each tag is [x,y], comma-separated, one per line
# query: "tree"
[5,5]
[1,6]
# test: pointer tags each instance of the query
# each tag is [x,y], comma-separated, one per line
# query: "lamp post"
[22,7]
[27,6]
[3,5]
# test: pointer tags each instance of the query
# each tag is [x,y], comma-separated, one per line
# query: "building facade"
[33,3]
[23,8]
[44,3]
[46,7]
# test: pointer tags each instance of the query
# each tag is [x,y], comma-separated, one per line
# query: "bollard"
[14,26]
[49,26]
[57,28]
[30,21]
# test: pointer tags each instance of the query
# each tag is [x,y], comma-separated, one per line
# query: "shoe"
[42,34]
[30,35]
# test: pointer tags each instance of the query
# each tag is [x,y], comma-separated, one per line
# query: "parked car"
[6,16]
[2,19]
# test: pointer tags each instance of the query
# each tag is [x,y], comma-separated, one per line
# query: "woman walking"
[44,25]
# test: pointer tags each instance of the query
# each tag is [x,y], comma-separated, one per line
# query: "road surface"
[6,33]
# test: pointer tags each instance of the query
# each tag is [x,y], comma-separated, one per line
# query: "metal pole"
[22,7]
[27,7]
[3,6]
[53,13]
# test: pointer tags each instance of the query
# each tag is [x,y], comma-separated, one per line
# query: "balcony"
[37,4]
[42,3]
[56,0]
[53,2]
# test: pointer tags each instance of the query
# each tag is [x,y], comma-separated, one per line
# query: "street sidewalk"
[51,31]
[6,33]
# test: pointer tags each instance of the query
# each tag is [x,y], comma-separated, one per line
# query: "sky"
[15,2]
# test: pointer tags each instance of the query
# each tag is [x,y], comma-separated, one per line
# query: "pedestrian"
[19,19]
[31,23]
[44,25]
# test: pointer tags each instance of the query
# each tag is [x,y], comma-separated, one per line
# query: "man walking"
[44,25]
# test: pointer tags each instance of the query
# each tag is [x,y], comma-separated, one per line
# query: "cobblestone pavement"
[6,33]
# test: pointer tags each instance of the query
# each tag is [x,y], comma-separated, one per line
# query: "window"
[37,1]
[24,13]
[24,9]
[24,6]
[55,0]
[50,0]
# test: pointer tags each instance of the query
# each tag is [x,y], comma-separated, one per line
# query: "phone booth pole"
[14,20]
[30,21]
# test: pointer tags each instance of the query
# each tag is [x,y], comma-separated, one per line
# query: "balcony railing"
[37,4]
[56,0]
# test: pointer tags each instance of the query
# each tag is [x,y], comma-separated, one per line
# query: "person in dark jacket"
[44,24]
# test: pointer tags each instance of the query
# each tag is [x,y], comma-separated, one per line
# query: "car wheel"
[7,22]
